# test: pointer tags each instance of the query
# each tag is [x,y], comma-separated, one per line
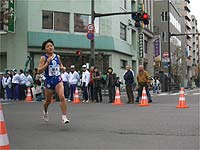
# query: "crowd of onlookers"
[14,83]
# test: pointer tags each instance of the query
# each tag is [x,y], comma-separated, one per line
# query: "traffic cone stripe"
[144,100]
[3,128]
[76,99]
[117,96]
[1,116]
[28,96]
[182,101]
[4,141]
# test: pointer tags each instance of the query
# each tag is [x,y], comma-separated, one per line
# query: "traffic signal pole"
[94,15]
[92,44]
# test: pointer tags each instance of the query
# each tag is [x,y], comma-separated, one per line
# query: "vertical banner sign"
[11,23]
[141,45]
[157,48]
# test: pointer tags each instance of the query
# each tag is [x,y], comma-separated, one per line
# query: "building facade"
[65,22]
[172,48]
[195,46]
[184,8]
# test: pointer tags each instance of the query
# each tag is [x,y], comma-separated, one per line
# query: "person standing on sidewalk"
[85,81]
[16,85]
[65,78]
[129,80]
[22,84]
[111,83]
[73,81]
[143,80]
[91,85]
[8,85]
[97,85]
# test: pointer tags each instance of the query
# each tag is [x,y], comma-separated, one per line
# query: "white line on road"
[196,94]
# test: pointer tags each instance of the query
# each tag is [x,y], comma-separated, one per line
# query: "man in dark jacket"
[129,80]
[111,82]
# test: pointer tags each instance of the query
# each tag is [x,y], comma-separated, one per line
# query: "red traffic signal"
[145,18]
[78,53]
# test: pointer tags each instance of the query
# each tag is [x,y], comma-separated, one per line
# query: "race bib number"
[54,70]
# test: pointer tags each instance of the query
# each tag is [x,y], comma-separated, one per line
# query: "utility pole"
[169,48]
[92,44]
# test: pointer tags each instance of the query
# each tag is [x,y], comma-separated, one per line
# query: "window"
[123,64]
[81,22]
[164,16]
[164,36]
[123,31]
[58,21]
[125,7]
[145,47]
[47,20]
[61,21]
[1,20]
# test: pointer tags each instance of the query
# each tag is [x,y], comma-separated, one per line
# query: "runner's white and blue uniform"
[52,72]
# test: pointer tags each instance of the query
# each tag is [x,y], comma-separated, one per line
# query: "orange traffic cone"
[117,98]
[28,96]
[144,100]
[76,99]
[4,142]
[182,101]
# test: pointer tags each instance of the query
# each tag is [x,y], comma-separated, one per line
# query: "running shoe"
[64,119]
[45,116]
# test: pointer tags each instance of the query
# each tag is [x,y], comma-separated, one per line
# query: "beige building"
[184,8]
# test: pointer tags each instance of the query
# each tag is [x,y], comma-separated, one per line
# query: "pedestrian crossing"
[174,94]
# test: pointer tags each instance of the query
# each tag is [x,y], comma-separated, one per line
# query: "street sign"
[157,47]
[90,28]
[141,45]
[90,36]
[165,54]
[11,23]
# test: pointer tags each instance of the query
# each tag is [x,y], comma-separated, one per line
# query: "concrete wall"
[15,44]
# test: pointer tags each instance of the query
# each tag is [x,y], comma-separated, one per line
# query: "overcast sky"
[195,7]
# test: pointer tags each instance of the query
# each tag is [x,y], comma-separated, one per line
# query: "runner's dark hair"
[45,42]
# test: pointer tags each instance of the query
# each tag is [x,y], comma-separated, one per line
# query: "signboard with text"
[141,45]
[11,23]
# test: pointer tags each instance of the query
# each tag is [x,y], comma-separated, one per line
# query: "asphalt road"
[104,126]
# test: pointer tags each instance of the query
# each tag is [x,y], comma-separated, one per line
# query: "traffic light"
[78,53]
[145,18]
[140,17]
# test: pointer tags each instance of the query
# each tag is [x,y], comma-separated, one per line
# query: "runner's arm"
[42,65]
[62,68]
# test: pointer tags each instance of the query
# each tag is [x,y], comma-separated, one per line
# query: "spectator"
[65,78]
[29,82]
[85,82]
[156,84]
[16,85]
[22,84]
[143,81]
[8,86]
[2,95]
[111,82]
[129,80]
[91,84]
[97,85]
[73,81]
